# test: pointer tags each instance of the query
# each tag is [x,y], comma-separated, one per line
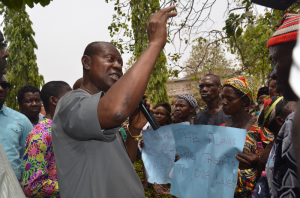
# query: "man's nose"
[5,54]
[34,103]
[224,102]
[204,89]
[117,65]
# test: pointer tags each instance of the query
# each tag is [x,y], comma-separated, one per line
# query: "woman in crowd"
[236,95]
[162,113]
[262,93]
[272,88]
[185,108]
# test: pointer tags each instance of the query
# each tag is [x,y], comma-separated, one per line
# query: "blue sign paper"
[207,167]
[158,153]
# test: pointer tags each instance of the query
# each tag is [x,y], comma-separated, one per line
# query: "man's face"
[3,90]
[281,56]
[31,104]
[209,88]
[3,55]
[106,67]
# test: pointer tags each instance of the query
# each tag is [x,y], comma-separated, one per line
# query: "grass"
[149,192]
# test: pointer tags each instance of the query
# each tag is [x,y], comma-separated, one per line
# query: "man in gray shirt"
[91,157]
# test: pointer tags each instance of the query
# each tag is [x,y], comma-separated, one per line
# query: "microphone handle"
[149,115]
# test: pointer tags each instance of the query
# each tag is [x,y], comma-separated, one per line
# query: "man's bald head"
[95,47]
[102,66]
[289,108]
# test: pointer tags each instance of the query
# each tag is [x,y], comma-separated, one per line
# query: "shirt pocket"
[14,133]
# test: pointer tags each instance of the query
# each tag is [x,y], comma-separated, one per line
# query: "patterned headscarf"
[190,99]
[241,84]
[270,110]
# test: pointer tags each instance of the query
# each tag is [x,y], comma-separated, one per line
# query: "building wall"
[182,86]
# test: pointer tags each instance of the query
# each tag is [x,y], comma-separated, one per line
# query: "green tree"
[18,4]
[141,13]
[22,67]
[207,57]
[247,36]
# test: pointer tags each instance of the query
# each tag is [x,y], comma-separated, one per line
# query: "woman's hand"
[142,143]
[176,158]
[247,160]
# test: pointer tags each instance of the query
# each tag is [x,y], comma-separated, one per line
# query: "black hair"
[290,106]
[239,92]
[167,106]
[92,49]
[26,89]
[263,91]
[216,76]
[52,88]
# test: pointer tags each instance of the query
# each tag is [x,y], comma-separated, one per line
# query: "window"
[170,89]
[178,89]
[189,86]
[174,90]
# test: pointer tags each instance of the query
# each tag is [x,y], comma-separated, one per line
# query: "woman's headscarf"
[271,110]
[242,85]
[190,99]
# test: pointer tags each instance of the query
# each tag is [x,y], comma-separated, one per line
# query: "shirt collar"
[4,109]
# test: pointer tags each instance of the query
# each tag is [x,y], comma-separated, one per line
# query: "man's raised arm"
[124,96]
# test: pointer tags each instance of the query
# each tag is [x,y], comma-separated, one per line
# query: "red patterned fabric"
[247,178]
[288,30]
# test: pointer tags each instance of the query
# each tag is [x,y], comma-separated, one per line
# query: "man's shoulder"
[77,95]
[200,113]
[13,114]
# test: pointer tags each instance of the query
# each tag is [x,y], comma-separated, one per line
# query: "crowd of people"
[82,142]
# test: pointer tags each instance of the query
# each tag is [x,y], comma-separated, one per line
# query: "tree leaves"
[18,4]
[22,67]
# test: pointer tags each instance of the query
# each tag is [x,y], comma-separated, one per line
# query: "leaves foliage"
[22,67]
[18,4]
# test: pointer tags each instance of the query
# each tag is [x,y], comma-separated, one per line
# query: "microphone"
[149,115]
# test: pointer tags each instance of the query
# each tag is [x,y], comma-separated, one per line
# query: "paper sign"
[158,153]
[207,167]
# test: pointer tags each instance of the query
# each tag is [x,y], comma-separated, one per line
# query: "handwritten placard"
[158,153]
[207,166]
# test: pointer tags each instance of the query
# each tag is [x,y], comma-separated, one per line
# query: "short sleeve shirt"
[14,128]
[203,118]
[90,162]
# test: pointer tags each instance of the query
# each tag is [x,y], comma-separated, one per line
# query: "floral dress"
[39,169]
[257,139]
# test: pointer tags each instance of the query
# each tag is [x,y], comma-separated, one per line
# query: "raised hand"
[157,26]
[247,160]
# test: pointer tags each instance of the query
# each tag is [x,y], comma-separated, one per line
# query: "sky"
[65,27]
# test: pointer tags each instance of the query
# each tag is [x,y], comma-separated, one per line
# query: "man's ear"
[53,100]
[279,120]
[86,61]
